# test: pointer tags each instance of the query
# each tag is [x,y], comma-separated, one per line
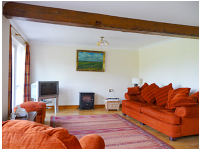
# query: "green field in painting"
[90,65]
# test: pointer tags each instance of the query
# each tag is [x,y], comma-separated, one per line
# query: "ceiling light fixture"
[102,42]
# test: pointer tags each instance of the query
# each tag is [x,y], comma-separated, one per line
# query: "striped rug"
[116,131]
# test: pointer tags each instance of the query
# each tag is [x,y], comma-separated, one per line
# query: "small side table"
[31,116]
[112,104]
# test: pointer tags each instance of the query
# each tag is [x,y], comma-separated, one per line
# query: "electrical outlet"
[111,90]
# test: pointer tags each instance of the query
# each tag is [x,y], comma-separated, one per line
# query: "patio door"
[18,69]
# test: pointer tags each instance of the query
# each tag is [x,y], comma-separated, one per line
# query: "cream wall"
[58,63]
[5,66]
[175,62]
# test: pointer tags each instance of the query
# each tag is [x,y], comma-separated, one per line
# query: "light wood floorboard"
[189,142]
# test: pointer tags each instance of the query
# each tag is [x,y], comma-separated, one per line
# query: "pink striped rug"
[116,131]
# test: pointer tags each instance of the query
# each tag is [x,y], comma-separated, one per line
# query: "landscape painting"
[90,61]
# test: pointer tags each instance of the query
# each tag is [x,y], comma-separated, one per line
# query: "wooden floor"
[190,142]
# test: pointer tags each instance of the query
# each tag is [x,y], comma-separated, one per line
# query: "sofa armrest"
[92,141]
[131,97]
[190,112]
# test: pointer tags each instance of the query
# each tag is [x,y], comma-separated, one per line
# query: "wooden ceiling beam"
[12,10]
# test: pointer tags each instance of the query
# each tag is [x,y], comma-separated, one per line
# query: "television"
[44,88]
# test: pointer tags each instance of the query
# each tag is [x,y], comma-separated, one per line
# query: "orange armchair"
[39,107]
[28,134]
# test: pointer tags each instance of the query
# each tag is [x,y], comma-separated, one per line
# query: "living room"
[171,60]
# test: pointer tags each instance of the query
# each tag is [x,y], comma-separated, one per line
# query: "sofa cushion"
[144,86]
[196,95]
[131,97]
[148,93]
[135,105]
[161,113]
[184,91]
[188,112]
[140,98]
[133,90]
[181,100]
[161,95]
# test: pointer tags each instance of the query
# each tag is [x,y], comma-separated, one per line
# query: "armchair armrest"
[92,141]
[190,112]
[39,107]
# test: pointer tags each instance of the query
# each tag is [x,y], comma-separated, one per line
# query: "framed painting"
[90,60]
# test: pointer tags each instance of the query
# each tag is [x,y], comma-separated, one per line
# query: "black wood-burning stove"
[86,100]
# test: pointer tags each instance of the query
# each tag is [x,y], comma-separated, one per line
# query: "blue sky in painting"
[89,56]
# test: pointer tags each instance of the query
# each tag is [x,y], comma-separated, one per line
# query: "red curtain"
[10,76]
[27,75]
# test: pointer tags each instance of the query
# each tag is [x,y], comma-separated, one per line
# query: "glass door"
[18,70]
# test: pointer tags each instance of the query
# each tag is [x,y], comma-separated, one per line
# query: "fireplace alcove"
[86,100]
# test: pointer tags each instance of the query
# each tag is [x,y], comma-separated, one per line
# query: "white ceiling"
[179,12]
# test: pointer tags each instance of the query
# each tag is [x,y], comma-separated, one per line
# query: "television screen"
[48,88]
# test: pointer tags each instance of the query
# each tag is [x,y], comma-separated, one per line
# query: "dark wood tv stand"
[48,97]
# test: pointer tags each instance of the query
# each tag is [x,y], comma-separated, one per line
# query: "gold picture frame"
[90,60]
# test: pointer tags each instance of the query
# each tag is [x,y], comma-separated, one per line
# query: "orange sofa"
[39,107]
[170,111]
[27,134]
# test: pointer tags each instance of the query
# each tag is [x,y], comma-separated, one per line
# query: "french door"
[18,70]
